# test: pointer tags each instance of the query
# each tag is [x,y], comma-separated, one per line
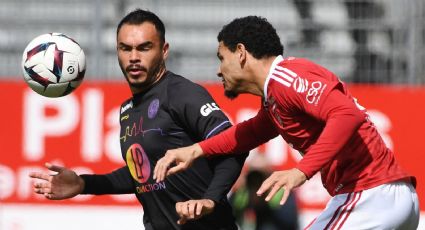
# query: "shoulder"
[179,86]
[307,68]
[176,80]
[296,63]
[126,105]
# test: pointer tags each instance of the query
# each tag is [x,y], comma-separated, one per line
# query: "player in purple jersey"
[164,112]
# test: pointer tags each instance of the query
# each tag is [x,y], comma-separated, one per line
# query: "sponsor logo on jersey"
[140,169]
[126,107]
[153,108]
[300,85]
[150,187]
[315,92]
[289,78]
[208,108]
[138,163]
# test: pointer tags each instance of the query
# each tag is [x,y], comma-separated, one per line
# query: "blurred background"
[376,46]
[373,41]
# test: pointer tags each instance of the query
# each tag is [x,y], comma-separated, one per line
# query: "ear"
[165,48]
[241,51]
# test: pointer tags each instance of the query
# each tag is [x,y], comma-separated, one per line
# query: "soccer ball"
[53,64]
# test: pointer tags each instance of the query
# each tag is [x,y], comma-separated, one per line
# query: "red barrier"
[81,131]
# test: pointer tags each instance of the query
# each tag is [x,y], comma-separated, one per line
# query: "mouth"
[223,81]
[135,70]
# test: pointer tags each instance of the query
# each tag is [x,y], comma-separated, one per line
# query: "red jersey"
[315,114]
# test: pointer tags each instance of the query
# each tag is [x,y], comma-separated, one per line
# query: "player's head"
[251,34]
[141,48]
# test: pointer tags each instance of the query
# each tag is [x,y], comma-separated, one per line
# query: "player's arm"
[237,139]
[343,119]
[202,119]
[65,183]
[116,182]
[62,184]
[226,170]
[242,137]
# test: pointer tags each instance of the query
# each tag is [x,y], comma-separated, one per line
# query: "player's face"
[229,71]
[141,55]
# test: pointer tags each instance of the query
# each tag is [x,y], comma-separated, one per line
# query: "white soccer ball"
[53,64]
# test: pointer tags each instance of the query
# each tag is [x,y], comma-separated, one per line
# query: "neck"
[260,71]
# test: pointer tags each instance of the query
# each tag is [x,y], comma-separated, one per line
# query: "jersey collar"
[276,61]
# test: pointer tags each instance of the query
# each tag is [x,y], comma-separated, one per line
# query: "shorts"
[389,206]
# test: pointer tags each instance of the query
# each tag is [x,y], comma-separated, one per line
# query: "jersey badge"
[300,85]
[153,108]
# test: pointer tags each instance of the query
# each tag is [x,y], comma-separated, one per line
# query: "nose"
[134,56]
[219,74]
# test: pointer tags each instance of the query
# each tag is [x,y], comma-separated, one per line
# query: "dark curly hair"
[139,16]
[256,33]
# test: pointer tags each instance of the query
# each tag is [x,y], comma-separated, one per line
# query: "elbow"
[359,118]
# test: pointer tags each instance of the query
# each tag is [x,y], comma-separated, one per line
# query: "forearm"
[242,137]
[116,182]
[226,171]
[338,130]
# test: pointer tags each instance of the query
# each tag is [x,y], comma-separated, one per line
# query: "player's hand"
[287,180]
[181,157]
[193,209]
[63,184]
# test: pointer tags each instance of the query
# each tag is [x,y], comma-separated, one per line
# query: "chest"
[297,128]
[149,127]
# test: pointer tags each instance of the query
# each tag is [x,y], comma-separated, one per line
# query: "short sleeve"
[192,106]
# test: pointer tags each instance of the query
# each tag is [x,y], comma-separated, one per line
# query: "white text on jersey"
[208,108]
[127,106]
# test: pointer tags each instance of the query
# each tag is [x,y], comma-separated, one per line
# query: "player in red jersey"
[314,112]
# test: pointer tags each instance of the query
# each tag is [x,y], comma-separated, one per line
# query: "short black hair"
[256,33]
[139,16]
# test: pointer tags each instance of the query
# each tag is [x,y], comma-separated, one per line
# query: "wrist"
[197,151]
[210,203]
[81,185]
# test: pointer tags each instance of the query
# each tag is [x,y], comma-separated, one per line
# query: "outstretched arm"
[237,139]
[62,185]
[65,183]
[343,119]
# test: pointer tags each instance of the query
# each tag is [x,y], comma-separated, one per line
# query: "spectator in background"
[253,213]
[371,66]
[309,29]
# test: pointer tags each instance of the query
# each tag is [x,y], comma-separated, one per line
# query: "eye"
[145,46]
[220,58]
[124,48]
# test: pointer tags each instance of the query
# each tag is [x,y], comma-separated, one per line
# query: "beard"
[230,94]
